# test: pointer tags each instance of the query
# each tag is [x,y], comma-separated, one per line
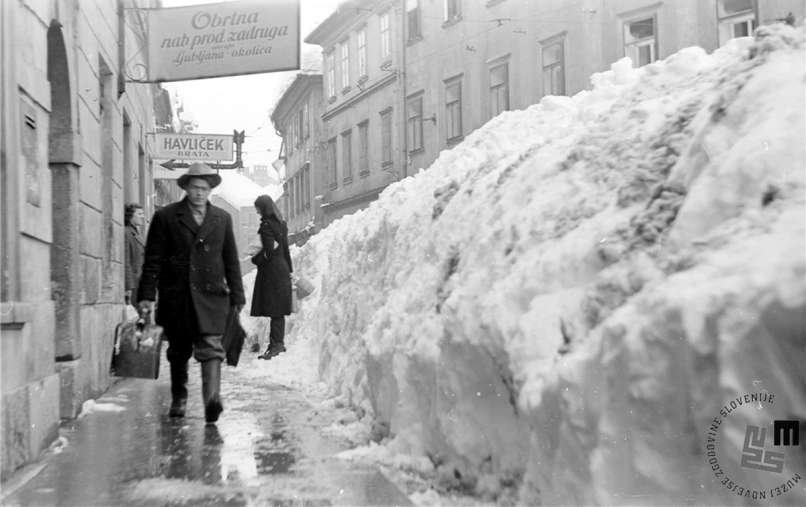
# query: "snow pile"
[556,309]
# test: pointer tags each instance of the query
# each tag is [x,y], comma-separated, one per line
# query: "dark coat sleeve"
[130,281]
[152,260]
[232,267]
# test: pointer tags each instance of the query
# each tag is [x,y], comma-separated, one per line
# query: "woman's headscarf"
[267,207]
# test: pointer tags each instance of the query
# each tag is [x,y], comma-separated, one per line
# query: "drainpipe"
[402,74]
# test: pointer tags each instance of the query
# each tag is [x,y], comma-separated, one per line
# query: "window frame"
[728,21]
[451,12]
[453,133]
[361,52]
[493,89]
[414,123]
[347,156]
[330,62]
[333,162]
[344,62]
[385,32]
[416,14]
[363,148]
[557,40]
[652,43]
[386,137]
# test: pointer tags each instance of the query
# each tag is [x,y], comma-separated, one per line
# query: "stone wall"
[68,166]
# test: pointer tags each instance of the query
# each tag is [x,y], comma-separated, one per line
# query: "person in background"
[191,260]
[272,293]
[133,218]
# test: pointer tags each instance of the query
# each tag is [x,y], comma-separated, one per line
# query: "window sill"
[455,140]
[450,22]
[387,163]
[414,40]
[346,90]
[334,186]
[363,79]
[331,100]
[416,151]
[348,180]
[490,3]
[363,174]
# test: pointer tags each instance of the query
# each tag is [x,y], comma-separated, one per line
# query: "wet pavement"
[267,449]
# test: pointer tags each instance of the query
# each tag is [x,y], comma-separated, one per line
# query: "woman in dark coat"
[272,294]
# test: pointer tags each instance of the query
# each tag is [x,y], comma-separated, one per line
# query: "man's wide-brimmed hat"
[200,170]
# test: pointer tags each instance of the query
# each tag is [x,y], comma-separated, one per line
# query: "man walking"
[192,261]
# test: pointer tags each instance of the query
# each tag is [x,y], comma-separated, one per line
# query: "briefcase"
[233,338]
[137,348]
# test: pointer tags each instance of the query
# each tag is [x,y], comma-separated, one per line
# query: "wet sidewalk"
[267,449]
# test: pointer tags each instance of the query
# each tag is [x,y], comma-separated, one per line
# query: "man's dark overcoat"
[272,294]
[194,268]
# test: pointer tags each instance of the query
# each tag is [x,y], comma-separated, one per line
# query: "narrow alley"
[267,449]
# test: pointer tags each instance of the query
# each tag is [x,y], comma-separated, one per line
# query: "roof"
[344,14]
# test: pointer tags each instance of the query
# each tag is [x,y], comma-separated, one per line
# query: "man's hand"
[237,308]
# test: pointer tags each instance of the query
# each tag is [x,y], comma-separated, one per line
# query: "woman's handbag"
[303,286]
[233,338]
[137,348]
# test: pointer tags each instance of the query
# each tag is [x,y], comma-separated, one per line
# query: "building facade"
[74,151]
[467,61]
[297,117]
[362,71]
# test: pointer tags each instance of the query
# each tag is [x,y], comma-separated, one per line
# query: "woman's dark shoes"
[273,351]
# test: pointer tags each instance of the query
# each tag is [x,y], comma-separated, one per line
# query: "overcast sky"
[221,105]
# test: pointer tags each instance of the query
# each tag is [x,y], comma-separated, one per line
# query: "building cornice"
[377,85]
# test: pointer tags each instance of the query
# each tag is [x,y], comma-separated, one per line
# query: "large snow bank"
[556,309]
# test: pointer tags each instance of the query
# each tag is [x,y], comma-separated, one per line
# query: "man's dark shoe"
[212,410]
[178,407]
[273,351]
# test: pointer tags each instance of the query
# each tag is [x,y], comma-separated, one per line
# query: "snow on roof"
[241,191]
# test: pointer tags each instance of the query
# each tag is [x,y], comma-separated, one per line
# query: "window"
[363,148]
[345,65]
[332,163]
[297,207]
[331,74]
[386,37]
[737,18]
[499,89]
[306,121]
[306,187]
[386,137]
[362,52]
[414,122]
[452,10]
[347,155]
[413,20]
[453,109]
[640,40]
[301,125]
[554,68]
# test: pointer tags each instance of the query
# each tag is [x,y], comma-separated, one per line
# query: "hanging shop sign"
[223,39]
[195,147]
